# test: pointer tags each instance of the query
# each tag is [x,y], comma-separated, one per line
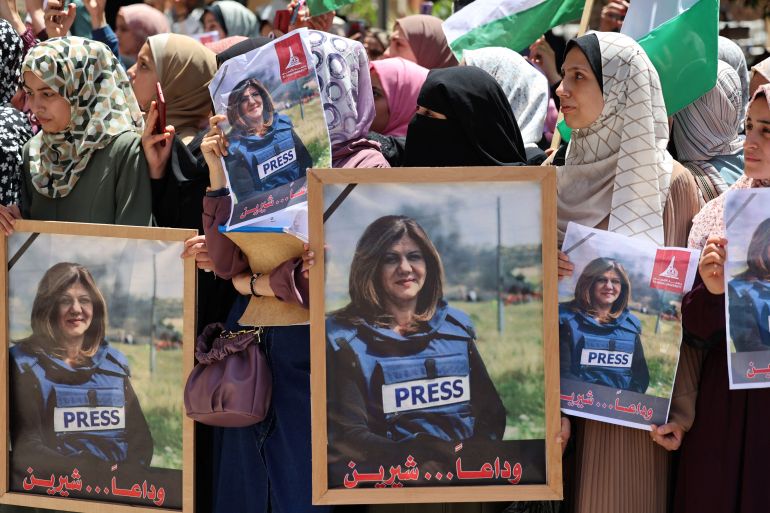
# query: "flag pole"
[587,8]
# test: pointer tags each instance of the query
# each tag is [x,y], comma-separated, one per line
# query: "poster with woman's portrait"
[98,337]
[747,288]
[620,326]
[275,129]
[429,335]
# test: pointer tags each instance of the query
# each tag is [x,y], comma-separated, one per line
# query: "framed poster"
[620,326]
[747,288]
[434,372]
[98,335]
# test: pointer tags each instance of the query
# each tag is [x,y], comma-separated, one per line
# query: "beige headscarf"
[185,67]
[426,37]
[619,166]
[763,68]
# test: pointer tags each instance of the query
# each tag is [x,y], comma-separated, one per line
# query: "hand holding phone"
[160,123]
[281,21]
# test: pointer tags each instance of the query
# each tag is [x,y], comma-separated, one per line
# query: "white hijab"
[619,166]
[526,88]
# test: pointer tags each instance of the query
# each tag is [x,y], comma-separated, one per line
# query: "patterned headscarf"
[526,88]
[14,126]
[103,106]
[708,127]
[346,86]
[11,56]
[619,165]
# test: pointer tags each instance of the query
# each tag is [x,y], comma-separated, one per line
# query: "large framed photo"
[620,326]
[747,288]
[98,330]
[434,363]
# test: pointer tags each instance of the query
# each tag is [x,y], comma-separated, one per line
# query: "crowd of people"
[78,111]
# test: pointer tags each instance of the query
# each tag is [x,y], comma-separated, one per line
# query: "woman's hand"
[10,13]
[322,22]
[669,436]
[156,154]
[96,9]
[8,216]
[58,21]
[308,261]
[564,433]
[541,53]
[565,266]
[613,15]
[712,265]
[214,147]
[36,15]
[195,247]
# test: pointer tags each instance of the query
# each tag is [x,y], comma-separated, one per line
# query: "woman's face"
[399,46]
[128,43]
[75,312]
[424,111]
[606,290]
[756,147]
[251,107]
[402,272]
[144,76]
[381,110]
[210,24]
[373,47]
[52,110]
[581,96]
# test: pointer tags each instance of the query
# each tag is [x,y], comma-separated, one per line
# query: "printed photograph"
[747,287]
[96,368]
[433,301]
[275,128]
[620,326]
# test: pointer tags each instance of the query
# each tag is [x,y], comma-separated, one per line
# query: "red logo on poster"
[292,60]
[670,270]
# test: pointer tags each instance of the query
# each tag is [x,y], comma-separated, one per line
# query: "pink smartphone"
[160,124]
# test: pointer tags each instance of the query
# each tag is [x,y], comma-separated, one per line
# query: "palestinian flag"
[680,38]
[514,24]
[323,6]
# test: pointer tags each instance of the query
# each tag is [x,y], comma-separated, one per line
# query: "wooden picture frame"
[369,190]
[172,349]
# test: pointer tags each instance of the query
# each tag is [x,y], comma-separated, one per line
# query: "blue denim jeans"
[266,467]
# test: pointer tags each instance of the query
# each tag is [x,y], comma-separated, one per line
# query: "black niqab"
[480,129]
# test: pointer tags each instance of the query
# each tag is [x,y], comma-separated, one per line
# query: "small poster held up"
[747,288]
[276,130]
[620,326]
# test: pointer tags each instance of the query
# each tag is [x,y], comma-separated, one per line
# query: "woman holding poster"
[404,363]
[264,150]
[84,411]
[600,339]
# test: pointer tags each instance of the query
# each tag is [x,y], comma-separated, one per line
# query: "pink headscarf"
[711,219]
[428,41]
[224,44]
[402,80]
[144,21]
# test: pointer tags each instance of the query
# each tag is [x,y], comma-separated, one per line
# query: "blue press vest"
[71,396]
[758,294]
[602,353]
[271,160]
[418,384]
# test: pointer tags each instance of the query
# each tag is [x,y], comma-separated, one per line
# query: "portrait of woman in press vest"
[600,339]
[264,151]
[402,364]
[72,403]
